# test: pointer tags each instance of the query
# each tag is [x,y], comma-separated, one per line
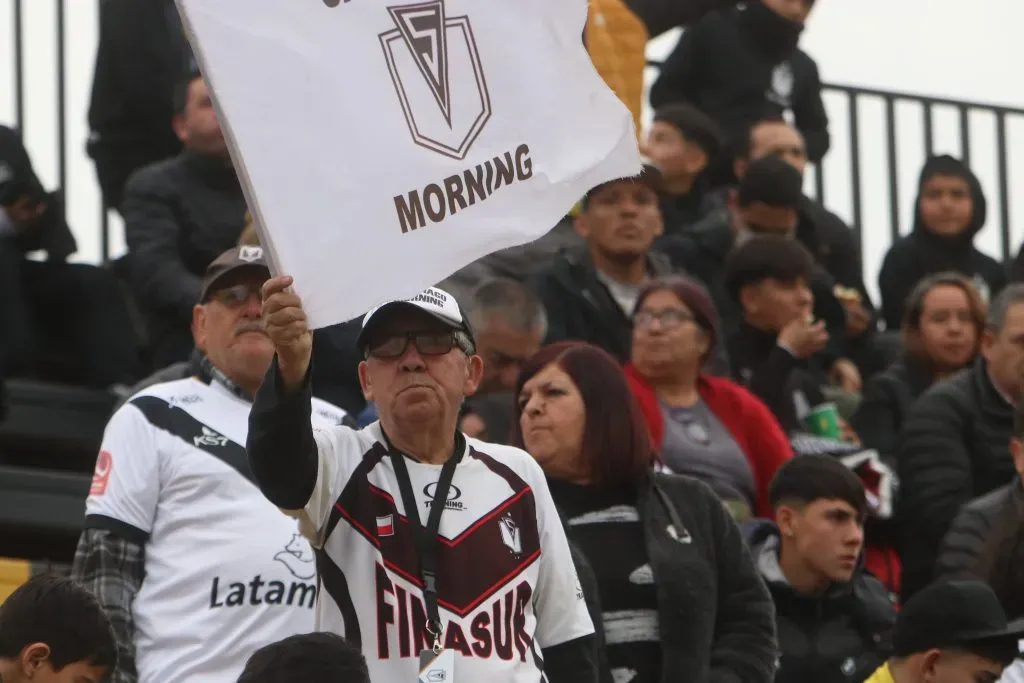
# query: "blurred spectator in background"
[616,36]
[942,328]
[141,57]
[195,568]
[679,595]
[954,445]
[180,214]
[705,427]
[58,321]
[683,141]
[832,616]
[950,211]
[739,65]
[765,203]
[310,658]
[509,323]
[774,349]
[830,240]
[54,631]
[986,541]
[590,293]
[985,533]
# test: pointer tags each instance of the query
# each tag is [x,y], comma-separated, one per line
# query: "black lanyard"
[426,538]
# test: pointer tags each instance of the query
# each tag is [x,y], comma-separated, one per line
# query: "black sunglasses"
[426,343]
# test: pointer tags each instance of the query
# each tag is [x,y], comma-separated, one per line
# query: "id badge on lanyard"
[436,665]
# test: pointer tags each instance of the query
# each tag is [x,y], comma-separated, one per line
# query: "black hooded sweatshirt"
[923,253]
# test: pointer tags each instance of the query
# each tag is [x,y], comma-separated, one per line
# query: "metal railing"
[855,96]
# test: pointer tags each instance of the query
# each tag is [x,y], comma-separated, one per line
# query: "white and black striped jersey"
[225,571]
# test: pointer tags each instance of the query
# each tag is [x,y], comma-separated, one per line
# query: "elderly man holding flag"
[442,556]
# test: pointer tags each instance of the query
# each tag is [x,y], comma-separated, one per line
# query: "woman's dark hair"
[910,328]
[309,657]
[694,296]
[55,610]
[616,442]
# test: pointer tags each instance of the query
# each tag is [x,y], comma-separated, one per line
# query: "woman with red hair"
[680,598]
[706,427]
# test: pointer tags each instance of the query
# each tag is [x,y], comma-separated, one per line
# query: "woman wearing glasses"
[680,598]
[706,427]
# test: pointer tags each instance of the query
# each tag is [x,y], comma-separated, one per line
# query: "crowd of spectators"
[705,319]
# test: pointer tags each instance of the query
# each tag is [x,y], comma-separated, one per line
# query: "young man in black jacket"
[831,615]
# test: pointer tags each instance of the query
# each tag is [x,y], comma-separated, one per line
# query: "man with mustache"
[194,567]
[439,555]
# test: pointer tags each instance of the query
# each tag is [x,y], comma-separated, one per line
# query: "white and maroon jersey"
[506,582]
[225,572]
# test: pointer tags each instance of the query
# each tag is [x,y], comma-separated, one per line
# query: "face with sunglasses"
[228,328]
[418,369]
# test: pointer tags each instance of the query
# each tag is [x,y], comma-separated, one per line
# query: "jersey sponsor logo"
[257,592]
[186,400]
[298,558]
[454,494]
[510,535]
[385,526]
[497,630]
[101,475]
[209,438]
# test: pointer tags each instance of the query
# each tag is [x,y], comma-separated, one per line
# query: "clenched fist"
[285,323]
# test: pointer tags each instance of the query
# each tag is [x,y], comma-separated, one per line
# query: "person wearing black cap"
[191,563]
[951,632]
[766,202]
[684,141]
[439,554]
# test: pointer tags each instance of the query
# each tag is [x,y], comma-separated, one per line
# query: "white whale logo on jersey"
[297,556]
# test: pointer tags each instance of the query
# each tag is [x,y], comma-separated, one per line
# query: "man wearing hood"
[739,65]
[949,212]
[831,615]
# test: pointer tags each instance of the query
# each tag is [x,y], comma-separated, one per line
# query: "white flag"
[384,144]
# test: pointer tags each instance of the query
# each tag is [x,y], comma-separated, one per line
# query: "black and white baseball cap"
[435,302]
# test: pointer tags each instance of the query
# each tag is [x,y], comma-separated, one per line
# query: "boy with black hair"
[310,658]
[53,631]
[775,349]
[831,615]
[684,142]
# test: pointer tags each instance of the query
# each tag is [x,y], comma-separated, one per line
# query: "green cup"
[823,420]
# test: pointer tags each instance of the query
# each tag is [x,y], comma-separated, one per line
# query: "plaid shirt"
[112,569]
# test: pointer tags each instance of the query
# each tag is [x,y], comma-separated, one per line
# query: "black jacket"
[18,179]
[580,307]
[954,447]
[702,251]
[715,617]
[179,214]
[834,246]
[837,637]
[884,405]
[141,58]
[923,253]
[972,530]
[719,66]
[774,375]
[664,15]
